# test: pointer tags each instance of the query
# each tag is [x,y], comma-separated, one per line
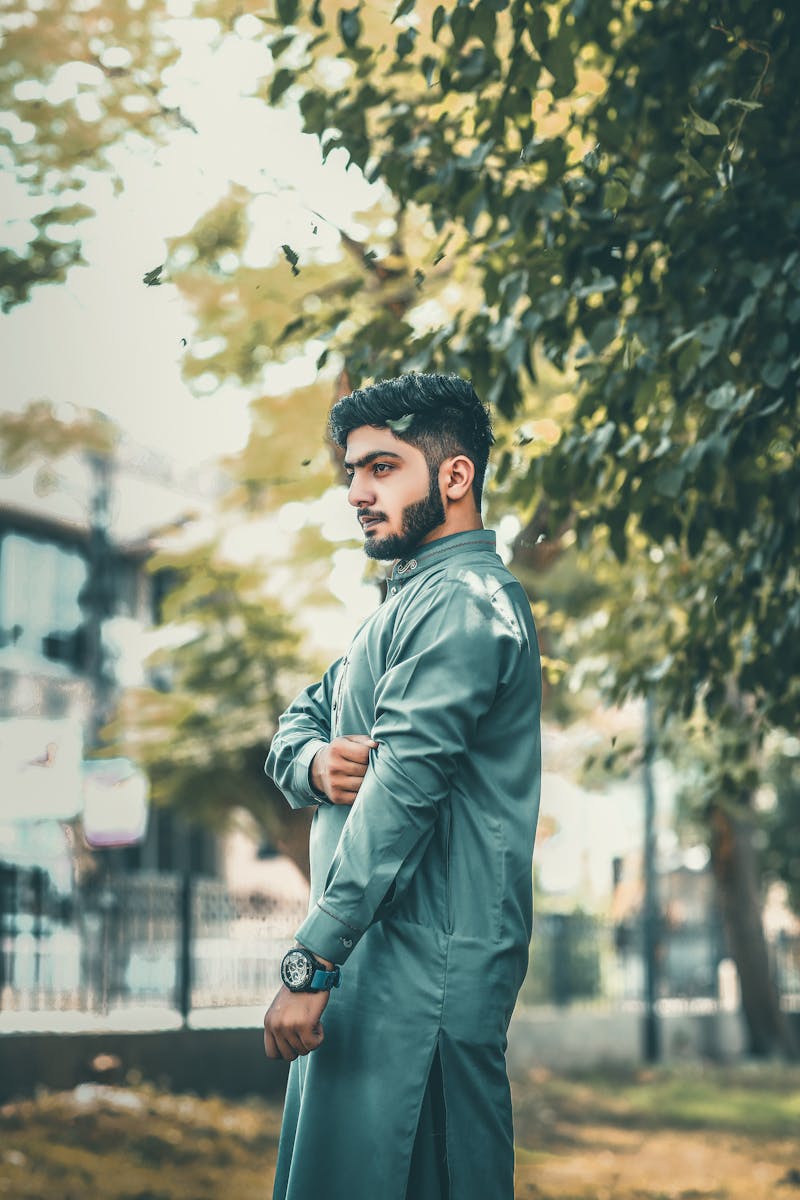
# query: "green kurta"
[423,888]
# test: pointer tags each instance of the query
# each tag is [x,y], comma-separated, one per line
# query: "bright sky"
[105,340]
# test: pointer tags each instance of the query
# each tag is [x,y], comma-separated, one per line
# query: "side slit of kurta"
[429,1174]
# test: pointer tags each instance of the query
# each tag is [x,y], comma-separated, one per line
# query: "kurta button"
[394,589]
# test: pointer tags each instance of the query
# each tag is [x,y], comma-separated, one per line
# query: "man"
[421,750]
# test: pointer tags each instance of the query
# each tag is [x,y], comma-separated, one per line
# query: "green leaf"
[460,23]
[438,20]
[403,9]
[747,105]
[349,25]
[405,43]
[153,278]
[291,257]
[774,373]
[615,195]
[559,58]
[603,332]
[701,125]
[284,78]
[287,11]
[669,482]
[278,45]
[607,283]
[428,67]
[721,397]
[539,26]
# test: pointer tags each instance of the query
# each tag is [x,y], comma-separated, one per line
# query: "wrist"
[315,773]
[302,971]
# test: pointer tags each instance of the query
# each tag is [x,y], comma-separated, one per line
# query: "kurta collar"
[438,551]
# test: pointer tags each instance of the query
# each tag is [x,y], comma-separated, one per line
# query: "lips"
[368,524]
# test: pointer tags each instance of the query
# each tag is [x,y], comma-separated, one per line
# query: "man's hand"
[292,1024]
[339,767]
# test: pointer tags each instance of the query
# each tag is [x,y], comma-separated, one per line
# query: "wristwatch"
[302,972]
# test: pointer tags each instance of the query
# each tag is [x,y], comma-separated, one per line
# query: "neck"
[455,522]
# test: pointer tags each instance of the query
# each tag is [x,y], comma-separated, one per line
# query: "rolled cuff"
[327,935]
[301,783]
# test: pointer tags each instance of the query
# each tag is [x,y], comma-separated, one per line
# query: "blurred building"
[76,605]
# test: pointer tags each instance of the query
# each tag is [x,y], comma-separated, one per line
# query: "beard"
[416,522]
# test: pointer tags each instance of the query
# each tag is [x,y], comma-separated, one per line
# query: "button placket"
[338,692]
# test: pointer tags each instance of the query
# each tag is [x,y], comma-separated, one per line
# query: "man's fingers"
[354,754]
[343,798]
[290,1044]
[270,1047]
[287,1051]
[355,747]
[348,768]
[294,1041]
[310,1038]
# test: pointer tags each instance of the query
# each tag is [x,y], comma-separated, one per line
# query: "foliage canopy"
[621,179]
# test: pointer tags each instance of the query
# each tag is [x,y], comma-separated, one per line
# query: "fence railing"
[143,939]
[184,943]
[580,958]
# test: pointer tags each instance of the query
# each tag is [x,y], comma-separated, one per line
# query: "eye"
[381,468]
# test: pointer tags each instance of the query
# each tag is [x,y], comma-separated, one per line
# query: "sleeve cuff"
[327,936]
[302,773]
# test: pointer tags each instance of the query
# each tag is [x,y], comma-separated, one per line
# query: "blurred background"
[217,219]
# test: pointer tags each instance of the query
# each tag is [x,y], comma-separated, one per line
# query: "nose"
[360,494]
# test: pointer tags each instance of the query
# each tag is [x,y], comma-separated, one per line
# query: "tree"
[202,736]
[610,187]
[620,180]
[77,80]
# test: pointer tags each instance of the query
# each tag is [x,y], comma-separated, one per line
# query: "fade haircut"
[441,415]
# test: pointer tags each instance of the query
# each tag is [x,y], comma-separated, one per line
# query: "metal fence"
[132,940]
[577,958]
[183,943]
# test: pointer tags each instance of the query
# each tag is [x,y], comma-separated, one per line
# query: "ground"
[678,1134]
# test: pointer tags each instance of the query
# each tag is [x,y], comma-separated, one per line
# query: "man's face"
[399,503]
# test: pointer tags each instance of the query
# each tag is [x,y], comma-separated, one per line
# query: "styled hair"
[441,415]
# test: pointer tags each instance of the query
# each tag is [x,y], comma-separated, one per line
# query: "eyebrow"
[368,458]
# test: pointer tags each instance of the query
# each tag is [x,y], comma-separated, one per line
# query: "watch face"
[296,970]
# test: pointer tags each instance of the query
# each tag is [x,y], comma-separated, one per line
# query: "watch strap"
[323,981]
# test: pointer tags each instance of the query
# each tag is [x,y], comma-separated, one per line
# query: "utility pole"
[97,597]
[651,1031]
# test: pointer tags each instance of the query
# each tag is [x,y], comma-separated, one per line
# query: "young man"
[421,750]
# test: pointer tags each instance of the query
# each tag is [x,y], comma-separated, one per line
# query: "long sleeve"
[303,729]
[449,656]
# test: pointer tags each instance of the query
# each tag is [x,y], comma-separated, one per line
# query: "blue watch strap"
[323,981]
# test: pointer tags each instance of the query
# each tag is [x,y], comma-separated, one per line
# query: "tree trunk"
[733,857]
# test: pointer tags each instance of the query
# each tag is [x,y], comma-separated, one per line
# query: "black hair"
[441,415]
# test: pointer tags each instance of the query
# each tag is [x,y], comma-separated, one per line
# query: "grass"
[747,1100]
[686,1134]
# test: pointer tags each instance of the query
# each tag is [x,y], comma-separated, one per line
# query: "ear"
[457,475]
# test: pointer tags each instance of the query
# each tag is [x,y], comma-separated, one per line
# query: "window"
[40,583]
